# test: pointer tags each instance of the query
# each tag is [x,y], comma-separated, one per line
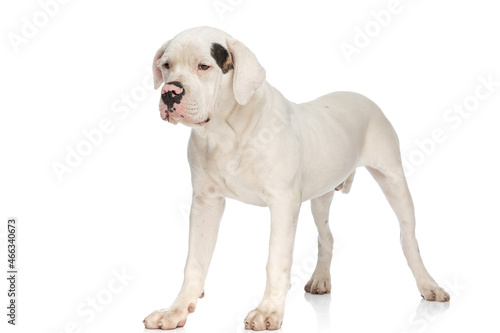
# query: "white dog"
[251,144]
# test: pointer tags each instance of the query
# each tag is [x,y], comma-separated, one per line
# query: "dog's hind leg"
[393,183]
[320,280]
[382,157]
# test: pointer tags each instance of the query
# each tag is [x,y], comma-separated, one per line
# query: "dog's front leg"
[269,314]
[204,221]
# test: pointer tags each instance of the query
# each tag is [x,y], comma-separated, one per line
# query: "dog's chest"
[234,177]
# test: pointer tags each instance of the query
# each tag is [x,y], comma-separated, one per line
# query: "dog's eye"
[166,65]
[203,67]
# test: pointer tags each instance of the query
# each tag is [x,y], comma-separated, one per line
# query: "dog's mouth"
[201,123]
[166,116]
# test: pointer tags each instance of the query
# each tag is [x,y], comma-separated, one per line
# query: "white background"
[124,207]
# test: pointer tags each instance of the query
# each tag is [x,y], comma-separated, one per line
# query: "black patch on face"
[170,98]
[222,57]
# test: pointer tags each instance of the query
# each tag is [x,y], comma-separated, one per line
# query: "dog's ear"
[248,73]
[157,76]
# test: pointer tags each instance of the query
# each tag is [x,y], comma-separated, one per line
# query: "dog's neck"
[231,121]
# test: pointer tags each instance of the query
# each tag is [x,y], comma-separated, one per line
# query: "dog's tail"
[346,185]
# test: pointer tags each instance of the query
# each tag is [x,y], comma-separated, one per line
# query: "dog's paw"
[430,291]
[319,285]
[168,319]
[259,320]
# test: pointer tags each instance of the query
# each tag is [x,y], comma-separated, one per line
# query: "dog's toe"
[318,285]
[430,291]
[166,319]
[259,320]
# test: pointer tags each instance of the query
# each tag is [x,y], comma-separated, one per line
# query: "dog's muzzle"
[171,94]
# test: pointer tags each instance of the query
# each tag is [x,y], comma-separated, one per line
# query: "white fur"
[264,150]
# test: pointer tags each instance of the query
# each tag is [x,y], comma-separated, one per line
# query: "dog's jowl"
[215,85]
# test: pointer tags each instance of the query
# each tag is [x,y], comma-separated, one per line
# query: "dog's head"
[203,70]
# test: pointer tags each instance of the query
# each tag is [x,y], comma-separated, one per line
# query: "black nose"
[172,94]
